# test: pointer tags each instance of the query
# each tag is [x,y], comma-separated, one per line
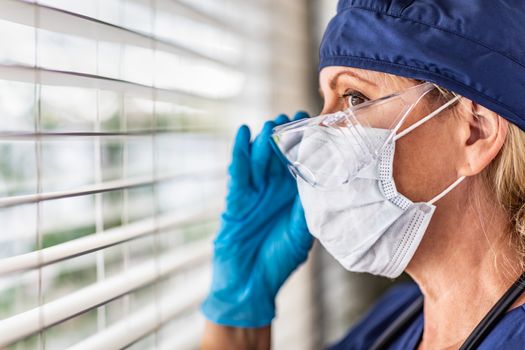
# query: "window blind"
[116,118]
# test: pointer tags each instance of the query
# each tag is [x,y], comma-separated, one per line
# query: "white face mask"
[366,224]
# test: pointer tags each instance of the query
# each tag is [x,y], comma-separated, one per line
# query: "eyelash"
[350,93]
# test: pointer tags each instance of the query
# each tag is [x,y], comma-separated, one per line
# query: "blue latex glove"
[263,236]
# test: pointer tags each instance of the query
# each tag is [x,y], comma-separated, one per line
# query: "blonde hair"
[505,175]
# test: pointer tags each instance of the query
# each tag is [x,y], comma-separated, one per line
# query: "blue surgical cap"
[475,48]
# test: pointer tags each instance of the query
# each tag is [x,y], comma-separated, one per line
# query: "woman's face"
[424,160]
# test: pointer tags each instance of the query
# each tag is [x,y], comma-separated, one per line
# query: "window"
[116,121]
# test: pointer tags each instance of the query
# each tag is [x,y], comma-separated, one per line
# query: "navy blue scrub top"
[509,333]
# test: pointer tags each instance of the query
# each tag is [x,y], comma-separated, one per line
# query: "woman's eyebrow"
[334,81]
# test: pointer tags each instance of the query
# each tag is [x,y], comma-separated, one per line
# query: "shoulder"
[379,317]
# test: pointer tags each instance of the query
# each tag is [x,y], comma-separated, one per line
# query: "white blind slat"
[102,187]
[28,74]
[109,238]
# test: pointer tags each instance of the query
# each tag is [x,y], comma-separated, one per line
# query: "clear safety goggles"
[348,136]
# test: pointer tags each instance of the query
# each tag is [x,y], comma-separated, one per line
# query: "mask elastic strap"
[428,117]
[446,191]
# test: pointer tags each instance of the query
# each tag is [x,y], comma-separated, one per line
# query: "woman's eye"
[354,98]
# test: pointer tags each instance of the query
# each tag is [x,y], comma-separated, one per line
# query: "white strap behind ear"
[446,191]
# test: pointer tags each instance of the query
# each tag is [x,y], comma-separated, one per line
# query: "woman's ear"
[482,134]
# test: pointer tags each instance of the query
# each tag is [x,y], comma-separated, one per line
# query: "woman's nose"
[330,105]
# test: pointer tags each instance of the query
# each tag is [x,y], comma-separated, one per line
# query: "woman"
[416,164]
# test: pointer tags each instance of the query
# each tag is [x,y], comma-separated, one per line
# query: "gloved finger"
[277,168]
[300,234]
[239,169]
[300,115]
[261,152]
[282,119]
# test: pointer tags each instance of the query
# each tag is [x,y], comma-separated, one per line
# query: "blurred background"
[116,121]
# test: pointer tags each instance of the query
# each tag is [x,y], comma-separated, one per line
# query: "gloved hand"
[263,236]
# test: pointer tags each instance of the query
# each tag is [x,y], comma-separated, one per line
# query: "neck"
[463,266]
